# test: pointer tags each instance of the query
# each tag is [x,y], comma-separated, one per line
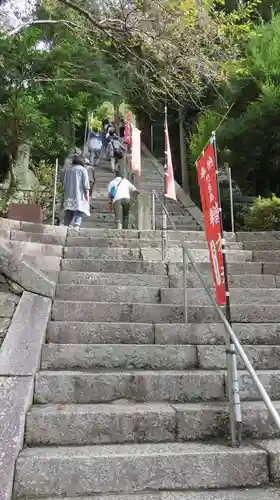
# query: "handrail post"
[153,211]
[185,284]
[164,237]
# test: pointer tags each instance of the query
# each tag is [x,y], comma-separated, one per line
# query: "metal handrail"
[233,338]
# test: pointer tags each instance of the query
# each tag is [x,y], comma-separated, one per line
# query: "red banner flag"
[206,171]
[170,191]
[127,129]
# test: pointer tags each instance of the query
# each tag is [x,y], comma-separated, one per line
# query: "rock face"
[129,400]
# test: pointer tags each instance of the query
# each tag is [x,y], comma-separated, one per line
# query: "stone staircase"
[130,402]
[150,179]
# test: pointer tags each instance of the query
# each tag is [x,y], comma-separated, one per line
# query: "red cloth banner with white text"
[136,150]
[170,191]
[127,129]
[206,171]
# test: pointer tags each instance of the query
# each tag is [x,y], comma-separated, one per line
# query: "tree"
[252,129]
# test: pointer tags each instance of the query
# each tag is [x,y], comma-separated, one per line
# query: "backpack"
[117,149]
[113,190]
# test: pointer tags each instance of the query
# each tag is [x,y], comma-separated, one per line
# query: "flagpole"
[164,219]
[233,383]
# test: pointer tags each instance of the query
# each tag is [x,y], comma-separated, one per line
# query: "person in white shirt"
[119,191]
[94,147]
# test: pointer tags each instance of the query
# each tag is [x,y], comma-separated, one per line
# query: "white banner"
[136,150]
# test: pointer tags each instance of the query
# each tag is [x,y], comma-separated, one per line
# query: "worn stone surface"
[46,238]
[258,236]
[109,293]
[237,295]
[126,357]
[273,450]
[21,349]
[271,268]
[186,235]
[21,272]
[175,255]
[44,229]
[262,357]
[113,266]
[190,333]
[103,232]
[205,420]
[270,380]
[4,325]
[233,268]
[130,468]
[102,253]
[261,245]
[258,333]
[235,281]
[97,424]
[266,255]
[43,262]
[15,399]
[89,387]
[34,249]
[80,278]
[5,234]
[100,333]
[9,224]
[232,494]
[87,241]
[8,302]
[124,312]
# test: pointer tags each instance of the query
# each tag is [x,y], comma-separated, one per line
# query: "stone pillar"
[25,178]
[141,211]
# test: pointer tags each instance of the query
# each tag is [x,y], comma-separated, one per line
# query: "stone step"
[235,281]
[124,422]
[109,293]
[87,241]
[159,313]
[261,245]
[83,278]
[104,232]
[45,237]
[136,467]
[262,357]
[232,494]
[100,424]
[34,249]
[113,266]
[139,386]
[124,357]
[266,256]
[237,295]
[102,253]
[176,268]
[258,236]
[175,255]
[64,332]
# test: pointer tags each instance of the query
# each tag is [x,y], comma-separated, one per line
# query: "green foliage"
[252,128]
[264,215]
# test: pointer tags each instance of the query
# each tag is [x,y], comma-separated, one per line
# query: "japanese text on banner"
[206,171]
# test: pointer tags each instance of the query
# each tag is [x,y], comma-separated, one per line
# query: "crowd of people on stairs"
[78,177]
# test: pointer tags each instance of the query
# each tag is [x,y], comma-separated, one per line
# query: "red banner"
[127,129]
[168,167]
[206,171]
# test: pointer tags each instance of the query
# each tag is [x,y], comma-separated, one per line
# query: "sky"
[14,12]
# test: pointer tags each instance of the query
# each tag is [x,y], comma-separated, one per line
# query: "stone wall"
[8,305]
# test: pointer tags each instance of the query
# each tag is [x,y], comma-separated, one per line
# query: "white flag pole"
[54,191]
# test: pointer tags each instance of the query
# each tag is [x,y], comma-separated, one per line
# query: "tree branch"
[42,21]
